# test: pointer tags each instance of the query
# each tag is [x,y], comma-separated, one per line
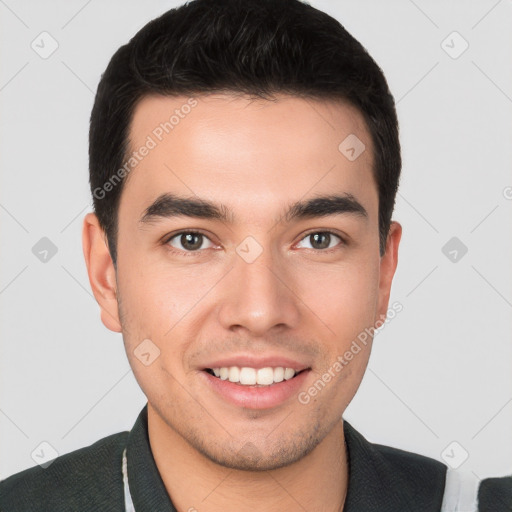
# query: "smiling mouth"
[256,377]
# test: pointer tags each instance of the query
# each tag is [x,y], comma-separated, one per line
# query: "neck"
[319,481]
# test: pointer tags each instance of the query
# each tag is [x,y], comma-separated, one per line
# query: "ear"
[388,263]
[101,270]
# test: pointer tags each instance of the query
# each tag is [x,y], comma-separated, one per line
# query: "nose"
[258,297]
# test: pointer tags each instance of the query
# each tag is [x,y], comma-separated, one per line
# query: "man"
[244,162]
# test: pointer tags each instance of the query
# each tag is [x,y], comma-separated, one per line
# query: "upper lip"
[252,361]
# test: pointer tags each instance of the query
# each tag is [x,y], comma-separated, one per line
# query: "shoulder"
[412,473]
[410,465]
[392,479]
[495,494]
[86,479]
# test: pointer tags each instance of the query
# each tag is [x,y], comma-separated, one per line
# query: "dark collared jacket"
[381,479]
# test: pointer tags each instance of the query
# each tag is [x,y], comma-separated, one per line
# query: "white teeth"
[278,374]
[289,373]
[234,374]
[265,376]
[252,376]
[247,376]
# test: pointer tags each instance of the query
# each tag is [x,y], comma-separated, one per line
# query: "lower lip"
[253,397]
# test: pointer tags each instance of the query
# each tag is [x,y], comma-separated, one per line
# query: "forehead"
[237,150]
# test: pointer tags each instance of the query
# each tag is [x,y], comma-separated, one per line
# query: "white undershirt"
[461,492]
[128,503]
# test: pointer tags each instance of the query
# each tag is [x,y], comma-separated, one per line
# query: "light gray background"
[440,371]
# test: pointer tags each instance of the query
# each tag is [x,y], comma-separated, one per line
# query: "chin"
[264,458]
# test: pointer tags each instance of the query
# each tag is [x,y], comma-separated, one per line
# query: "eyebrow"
[170,205]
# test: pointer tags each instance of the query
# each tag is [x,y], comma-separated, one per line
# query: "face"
[248,263]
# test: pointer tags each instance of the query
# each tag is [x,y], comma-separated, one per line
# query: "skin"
[256,157]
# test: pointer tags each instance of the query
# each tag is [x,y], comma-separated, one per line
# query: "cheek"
[345,298]
[150,320]
[158,304]
[154,298]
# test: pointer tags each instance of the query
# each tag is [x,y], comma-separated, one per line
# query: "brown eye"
[189,241]
[321,240]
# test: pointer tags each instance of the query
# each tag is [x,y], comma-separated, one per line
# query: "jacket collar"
[386,479]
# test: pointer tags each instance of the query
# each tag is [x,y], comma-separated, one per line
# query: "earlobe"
[101,271]
[388,265]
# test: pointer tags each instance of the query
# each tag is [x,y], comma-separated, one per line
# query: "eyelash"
[181,252]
